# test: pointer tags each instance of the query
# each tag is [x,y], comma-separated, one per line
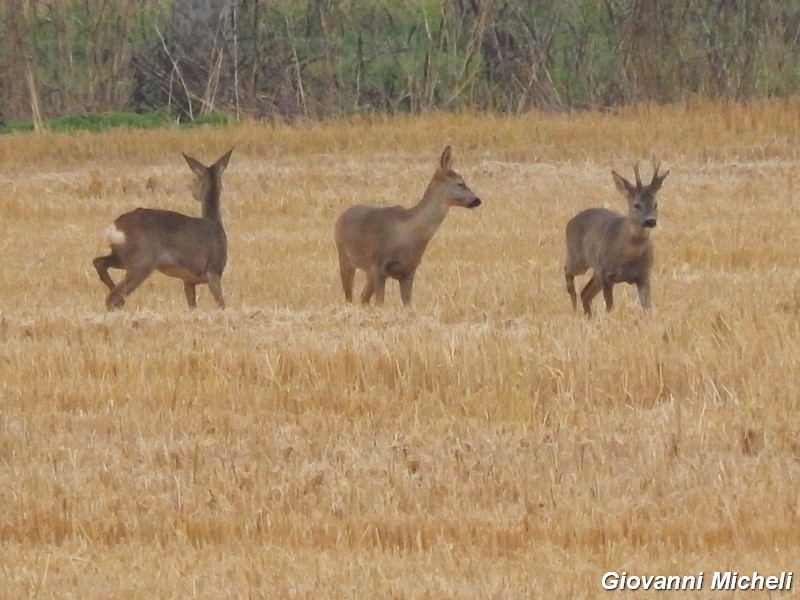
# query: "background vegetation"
[317,58]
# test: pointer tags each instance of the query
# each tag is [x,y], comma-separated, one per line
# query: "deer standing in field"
[390,241]
[190,248]
[616,247]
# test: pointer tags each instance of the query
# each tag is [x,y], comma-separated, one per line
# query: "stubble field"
[489,443]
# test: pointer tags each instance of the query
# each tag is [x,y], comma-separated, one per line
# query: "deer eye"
[637,205]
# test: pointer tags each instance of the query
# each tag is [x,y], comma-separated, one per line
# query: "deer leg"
[608,294]
[406,283]
[369,289]
[102,264]
[644,293]
[571,289]
[347,273]
[589,291]
[191,294]
[379,282]
[569,274]
[215,285]
[133,279]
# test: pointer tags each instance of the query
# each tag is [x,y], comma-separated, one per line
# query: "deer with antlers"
[616,247]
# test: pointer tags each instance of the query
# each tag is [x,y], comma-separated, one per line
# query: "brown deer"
[390,241]
[616,247]
[190,248]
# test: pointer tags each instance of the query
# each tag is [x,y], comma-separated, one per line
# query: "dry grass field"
[488,443]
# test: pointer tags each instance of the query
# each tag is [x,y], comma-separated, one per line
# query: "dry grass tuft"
[489,443]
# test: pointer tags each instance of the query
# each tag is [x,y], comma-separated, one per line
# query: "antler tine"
[636,173]
[656,166]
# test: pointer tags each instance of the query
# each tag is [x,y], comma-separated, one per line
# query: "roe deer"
[390,241]
[617,248]
[189,248]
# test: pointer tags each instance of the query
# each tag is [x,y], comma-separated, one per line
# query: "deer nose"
[651,222]
[475,203]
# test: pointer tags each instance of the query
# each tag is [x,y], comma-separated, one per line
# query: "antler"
[636,173]
[656,165]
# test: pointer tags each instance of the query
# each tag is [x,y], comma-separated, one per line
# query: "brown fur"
[616,247]
[193,249]
[390,241]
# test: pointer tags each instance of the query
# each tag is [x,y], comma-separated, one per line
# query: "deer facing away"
[190,248]
[616,247]
[389,242]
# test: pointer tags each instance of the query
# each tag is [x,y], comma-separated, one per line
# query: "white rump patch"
[113,236]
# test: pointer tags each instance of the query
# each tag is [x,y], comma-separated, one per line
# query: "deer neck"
[637,234]
[211,204]
[428,214]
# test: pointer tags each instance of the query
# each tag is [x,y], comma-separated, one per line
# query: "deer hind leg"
[569,275]
[608,294]
[347,272]
[588,293]
[215,285]
[191,294]
[573,296]
[133,279]
[102,264]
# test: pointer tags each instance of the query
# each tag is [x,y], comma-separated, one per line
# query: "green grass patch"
[96,122]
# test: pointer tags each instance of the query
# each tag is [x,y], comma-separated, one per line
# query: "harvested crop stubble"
[488,443]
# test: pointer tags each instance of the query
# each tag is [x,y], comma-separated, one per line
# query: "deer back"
[165,238]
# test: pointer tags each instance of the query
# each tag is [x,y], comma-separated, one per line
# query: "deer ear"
[623,185]
[222,162]
[445,161]
[194,164]
[655,185]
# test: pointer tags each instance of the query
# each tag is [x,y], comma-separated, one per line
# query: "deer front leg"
[406,284]
[215,285]
[379,283]
[643,287]
[369,289]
